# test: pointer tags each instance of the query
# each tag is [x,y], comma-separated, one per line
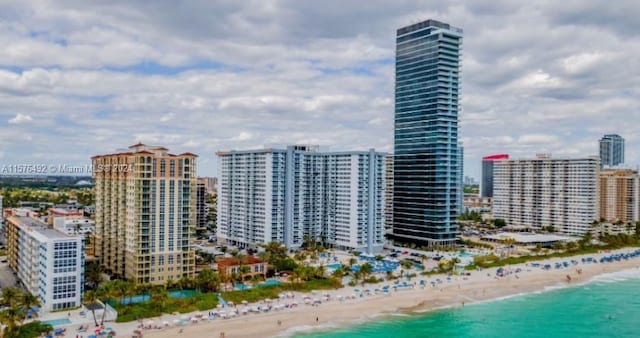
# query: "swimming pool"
[270,282]
[143,298]
[334,266]
[57,322]
[241,287]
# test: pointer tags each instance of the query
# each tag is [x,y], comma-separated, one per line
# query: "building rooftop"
[31,224]
[232,261]
[427,23]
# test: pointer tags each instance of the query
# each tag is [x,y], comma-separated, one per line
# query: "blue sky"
[82,78]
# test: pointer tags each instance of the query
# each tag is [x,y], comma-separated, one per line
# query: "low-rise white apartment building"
[47,262]
[545,191]
[285,195]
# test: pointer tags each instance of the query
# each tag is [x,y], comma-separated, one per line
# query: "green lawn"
[209,300]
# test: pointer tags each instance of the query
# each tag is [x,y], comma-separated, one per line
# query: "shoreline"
[335,314]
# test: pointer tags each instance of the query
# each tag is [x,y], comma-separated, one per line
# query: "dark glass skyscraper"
[427,161]
[611,150]
[486,186]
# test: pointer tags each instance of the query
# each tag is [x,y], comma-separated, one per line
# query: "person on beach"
[317,320]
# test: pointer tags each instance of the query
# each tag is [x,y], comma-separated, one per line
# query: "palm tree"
[352,261]
[294,276]
[243,270]
[9,296]
[159,296]
[132,289]
[108,291]
[11,318]
[90,297]
[338,273]
[365,271]
[29,301]
[320,271]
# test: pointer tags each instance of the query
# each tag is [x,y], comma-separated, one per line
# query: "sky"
[81,78]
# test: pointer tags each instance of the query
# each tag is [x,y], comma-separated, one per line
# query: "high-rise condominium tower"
[427,166]
[289,195]
[619,193]
[547,192]
[486,186]
[611,150]
[146,213]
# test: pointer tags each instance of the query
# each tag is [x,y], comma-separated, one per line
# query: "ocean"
[607,306]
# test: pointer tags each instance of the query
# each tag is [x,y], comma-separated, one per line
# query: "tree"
[208,280]
[29,301]
[91,297]
[352,261]
[338,273]
[93,275]
[11,318]
[159,296]
[108,291]
[365,271]
[186,283]
[499,223]
[9,296]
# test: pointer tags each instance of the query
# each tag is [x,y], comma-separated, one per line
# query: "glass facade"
[427,161]
[611,150]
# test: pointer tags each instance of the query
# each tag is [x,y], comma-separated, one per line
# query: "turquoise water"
[144,298]
[57,322]
[334,266]
[241,287]
[270,282]
[609,307]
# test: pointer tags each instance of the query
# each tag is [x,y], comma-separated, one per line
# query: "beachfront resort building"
[47,262]
[619,189]
[486,184]
[248,266]
[543,192]
[611,150]
[287,195]
[427,157]
[146,213]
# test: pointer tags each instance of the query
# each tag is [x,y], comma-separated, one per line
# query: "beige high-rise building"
[619,189]
[146,213]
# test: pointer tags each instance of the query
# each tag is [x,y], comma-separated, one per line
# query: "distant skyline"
[80,79]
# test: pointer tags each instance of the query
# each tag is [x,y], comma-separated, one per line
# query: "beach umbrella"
[219,306]
[165,323]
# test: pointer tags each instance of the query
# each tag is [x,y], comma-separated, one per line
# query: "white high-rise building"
[543,192]
[285,195]
[47,262]
[388,194]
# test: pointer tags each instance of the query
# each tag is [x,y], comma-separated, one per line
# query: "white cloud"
[205,76]
[20,119]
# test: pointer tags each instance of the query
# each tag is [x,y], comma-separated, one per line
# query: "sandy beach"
[459,291]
